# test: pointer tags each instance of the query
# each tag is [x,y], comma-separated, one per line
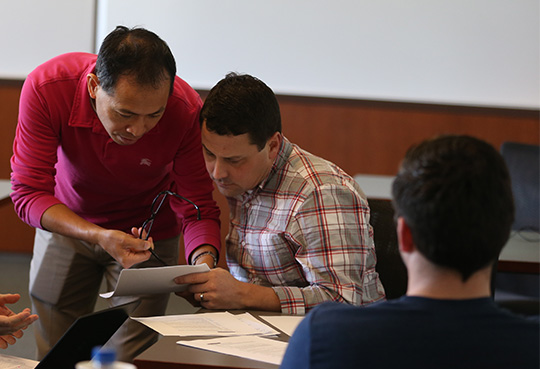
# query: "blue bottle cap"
[103,356]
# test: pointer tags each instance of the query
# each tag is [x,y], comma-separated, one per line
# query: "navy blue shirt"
[414,332]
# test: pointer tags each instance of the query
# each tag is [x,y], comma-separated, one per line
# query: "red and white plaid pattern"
[305,232]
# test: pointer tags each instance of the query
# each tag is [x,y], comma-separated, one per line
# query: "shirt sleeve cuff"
[291,300]
[204,231]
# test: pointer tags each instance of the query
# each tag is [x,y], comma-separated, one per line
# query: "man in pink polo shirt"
[98,138]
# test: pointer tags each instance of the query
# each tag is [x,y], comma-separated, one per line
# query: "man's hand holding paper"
[148,281]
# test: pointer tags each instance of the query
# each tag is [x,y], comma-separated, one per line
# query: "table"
[167,354]
[375,186]
[520,255]
[5,190]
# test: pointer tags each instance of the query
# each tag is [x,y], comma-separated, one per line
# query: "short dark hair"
[135,52]
[455,195]
[240,104]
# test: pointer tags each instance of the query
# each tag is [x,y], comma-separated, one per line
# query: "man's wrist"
[207,257]
[203,249]
[258,297]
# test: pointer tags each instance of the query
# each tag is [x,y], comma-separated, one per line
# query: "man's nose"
[138,128]
[220,170]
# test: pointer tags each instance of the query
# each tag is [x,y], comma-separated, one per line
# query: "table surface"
[166,353]
[375,186]
[521,254]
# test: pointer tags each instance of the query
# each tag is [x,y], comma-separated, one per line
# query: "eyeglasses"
[154,209]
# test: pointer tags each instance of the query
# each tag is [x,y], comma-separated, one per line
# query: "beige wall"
[359,136]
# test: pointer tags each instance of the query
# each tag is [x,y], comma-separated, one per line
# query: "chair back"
[392,271]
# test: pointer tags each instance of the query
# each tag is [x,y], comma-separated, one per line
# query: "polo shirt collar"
[82,112]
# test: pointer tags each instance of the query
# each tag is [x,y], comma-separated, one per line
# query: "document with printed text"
[254,348]
[149,281]
[207,324]
[285,323]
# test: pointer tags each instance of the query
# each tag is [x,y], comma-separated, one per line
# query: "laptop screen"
[86,332]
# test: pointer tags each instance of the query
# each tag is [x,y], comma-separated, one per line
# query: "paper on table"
[286,323]
[149,281]
[263,329]
[207,324]
[254,348]
[12,362]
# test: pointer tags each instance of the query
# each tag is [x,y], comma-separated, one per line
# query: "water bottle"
[103,359]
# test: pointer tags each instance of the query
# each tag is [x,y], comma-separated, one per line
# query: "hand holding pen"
[141,233]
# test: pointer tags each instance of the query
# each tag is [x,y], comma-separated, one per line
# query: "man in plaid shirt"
[299,226]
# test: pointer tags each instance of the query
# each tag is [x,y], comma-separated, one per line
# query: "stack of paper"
[240,335]
[209,324]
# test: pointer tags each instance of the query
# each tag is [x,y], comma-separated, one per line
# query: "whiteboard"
[465,52]
[34,31]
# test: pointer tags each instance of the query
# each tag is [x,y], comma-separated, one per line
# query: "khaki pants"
[65,276]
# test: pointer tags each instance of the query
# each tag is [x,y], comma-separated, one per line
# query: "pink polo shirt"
[62,154]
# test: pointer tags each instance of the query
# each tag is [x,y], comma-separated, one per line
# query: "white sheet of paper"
[254,348]
[263,329]
[207,324]
[285,323]
[12,362]
[149,281]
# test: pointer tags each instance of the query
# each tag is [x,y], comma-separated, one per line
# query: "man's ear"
[405,239]
[92,83]
[274,143]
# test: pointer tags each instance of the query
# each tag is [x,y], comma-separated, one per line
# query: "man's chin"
[227,190]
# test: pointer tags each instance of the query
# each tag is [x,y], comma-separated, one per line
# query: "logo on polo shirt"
[145,161]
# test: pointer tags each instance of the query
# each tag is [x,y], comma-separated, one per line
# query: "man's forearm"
[60,219]
[125,248]
[260,298]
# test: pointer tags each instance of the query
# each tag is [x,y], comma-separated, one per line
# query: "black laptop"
[88,331]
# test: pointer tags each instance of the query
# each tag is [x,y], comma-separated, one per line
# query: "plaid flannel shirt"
[304,231]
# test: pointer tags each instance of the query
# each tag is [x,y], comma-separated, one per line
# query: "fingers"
[196,299]
[3,343]
[10,325]
[135,231]
[125,248]
[129,258]
[138,245]
[202,297]
[24,323]
[189,297]
[18,334]
[140,233]
[9,298]
[134,251]
[193,278]
[7,340]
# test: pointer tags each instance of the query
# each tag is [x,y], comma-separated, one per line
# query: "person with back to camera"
[299,231]
[98,138]
[454,210]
